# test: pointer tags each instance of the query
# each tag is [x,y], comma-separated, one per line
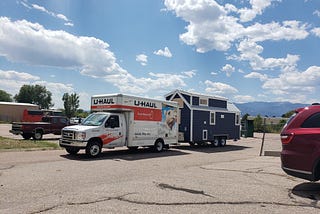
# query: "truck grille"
[68,134]
[16,127]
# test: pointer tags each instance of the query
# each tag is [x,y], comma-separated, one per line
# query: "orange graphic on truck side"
[108,138]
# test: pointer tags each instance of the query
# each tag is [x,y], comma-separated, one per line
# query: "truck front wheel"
[37,135]
[93,149]
[72,150]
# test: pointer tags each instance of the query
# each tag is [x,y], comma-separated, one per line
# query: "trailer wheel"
[93,149]
[215,142]
[72,150]
[26,136]
[223,141]
[37,135]
[158,145]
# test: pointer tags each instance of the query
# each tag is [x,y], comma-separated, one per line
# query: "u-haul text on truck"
[123,120]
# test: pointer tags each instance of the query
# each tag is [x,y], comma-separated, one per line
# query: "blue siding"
[223,126]
[185,122]
[217,103]
[186,97]
[195,101]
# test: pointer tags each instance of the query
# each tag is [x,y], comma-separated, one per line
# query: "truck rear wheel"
[158,145]
[37,135]
[72,150]
[93,149]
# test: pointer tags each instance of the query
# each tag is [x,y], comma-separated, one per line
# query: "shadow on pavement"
[139,154]
[208,148]
[307,190]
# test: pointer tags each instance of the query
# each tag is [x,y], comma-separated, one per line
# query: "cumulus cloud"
[190,74]
[89,55]
[211,27]
[142,58]
[228,69]
[243,98]
[257,7]
[219,88]
[316,31]
[256,75]
[294,84]
[166,52]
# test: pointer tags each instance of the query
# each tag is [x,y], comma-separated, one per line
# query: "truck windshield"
[94,119]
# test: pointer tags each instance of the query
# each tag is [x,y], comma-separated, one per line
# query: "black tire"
[38,135]
[93,149]
[27,136]
[158,146]
[216,142]
[72,150]
[222,141]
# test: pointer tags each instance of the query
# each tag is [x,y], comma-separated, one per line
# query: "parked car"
[48,125]
[300,156]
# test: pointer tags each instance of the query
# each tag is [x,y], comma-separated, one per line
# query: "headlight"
[80,136]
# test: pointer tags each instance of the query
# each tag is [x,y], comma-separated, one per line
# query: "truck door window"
[112,122]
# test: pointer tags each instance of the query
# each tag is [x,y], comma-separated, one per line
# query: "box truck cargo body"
[205,118]
[123,120]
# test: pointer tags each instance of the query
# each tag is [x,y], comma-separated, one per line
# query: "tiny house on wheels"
[205,118]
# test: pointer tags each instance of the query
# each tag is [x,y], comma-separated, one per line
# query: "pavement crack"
[192,191]
[4,167]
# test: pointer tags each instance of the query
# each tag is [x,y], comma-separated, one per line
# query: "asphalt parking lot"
[183,179]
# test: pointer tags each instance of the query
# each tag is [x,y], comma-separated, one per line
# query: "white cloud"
[317,13]
[316,31]
[257,7]
[43,9]
[243,98]
[190,74]
[142,58]
[250,51]
[211,27]
[166,52]
[293,84]
[229,69]
[219,88]
[256,75]
[87,54]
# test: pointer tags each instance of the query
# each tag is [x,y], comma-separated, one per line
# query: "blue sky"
[245,50]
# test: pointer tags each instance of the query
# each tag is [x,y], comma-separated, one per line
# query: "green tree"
[35,94]
[258,123]
[5,97]
[288,114]
[71,104]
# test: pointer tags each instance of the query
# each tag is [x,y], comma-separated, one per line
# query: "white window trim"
[214,118]
[237,121]
[204,136]
[202,98]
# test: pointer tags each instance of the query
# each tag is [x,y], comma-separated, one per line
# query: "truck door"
[114,132]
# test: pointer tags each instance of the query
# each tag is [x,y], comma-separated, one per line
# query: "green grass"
[14,144]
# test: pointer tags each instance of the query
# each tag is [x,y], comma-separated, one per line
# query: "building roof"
[18,104]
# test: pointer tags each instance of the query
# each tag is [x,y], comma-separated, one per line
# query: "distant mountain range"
[271,109]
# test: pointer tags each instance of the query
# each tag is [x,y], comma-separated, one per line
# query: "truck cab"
[101,129]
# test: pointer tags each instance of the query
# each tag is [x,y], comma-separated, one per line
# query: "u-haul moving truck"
[123,120]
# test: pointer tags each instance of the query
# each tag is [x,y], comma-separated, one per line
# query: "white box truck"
[123,120]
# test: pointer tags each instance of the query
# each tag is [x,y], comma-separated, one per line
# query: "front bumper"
[16,132]
[73,143]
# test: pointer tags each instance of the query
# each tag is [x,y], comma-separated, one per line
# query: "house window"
[212,118]
[203,102]
[237,119]
[204,134]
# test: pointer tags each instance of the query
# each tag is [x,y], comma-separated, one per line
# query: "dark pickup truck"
[49,125]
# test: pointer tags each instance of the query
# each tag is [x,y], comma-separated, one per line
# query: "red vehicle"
[49,125]
[300,156]
[37,115]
